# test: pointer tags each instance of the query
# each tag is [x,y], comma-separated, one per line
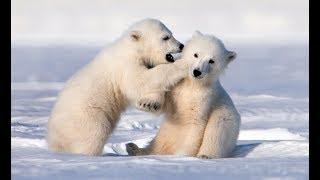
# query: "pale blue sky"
[103,20]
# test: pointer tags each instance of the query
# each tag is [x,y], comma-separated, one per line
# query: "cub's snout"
[169,56]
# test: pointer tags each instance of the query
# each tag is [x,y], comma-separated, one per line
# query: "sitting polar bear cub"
[132,71]
[201,119]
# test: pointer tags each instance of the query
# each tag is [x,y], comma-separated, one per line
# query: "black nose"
[181,46]
[196,73]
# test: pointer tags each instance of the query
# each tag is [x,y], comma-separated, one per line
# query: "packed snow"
[268,84]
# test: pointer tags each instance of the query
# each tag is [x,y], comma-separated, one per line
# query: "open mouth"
[169,58]
[198,77]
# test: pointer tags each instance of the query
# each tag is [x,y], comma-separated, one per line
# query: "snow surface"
[268,84]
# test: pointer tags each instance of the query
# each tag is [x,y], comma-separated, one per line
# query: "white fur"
[88,108]
[201,119]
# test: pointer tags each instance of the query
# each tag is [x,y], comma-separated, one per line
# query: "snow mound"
[269,134]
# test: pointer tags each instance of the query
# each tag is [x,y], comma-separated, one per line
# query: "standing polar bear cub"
[135,70]
[200,117]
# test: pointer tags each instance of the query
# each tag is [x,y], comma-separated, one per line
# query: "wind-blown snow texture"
[268,84]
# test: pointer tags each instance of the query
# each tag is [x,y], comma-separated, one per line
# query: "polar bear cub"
[135,70]
[200,117]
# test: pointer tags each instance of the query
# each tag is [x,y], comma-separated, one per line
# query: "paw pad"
[204,157]
[132,149]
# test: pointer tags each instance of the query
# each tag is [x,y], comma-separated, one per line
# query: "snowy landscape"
[268,83]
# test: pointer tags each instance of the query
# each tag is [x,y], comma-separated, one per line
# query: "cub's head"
[154,41]
[207,56]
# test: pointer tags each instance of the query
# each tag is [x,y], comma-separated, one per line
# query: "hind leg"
[86,142]
[93,148]
[220,136]
[86,134]
[94,138]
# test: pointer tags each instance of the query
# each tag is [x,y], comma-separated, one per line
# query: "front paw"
[149,105]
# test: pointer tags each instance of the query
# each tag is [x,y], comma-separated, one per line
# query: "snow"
[269,86]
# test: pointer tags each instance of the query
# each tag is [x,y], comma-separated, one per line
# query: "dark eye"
[195,55]
[166,38]
[211,61]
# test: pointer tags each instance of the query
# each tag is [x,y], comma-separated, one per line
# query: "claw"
[149,106]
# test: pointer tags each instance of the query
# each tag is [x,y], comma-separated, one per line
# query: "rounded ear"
[197,34]
[231,55]
[135,35]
